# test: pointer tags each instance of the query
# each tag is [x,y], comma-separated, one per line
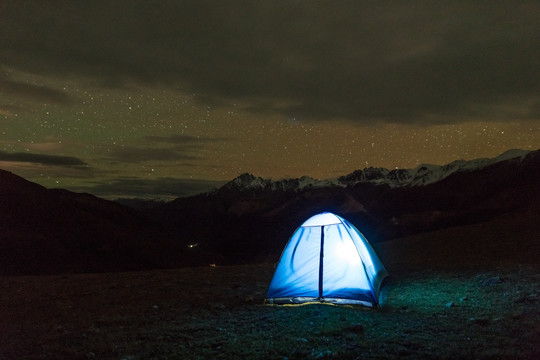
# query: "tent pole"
[321,265]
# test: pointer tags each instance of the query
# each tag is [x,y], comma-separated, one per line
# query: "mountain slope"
[52,231]
[251,219]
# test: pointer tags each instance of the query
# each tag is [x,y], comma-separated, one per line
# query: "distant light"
[192,245]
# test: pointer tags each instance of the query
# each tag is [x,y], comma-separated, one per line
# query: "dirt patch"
[218,312]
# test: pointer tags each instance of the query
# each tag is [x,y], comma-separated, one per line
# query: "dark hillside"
[248,220]
[53,231]
[237,225]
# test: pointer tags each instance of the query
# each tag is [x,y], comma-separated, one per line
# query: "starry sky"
[136,98]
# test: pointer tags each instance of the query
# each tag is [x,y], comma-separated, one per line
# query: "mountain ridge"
[45,231]
[254,222]
[421,175]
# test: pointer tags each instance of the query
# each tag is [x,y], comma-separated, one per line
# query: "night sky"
[168,98]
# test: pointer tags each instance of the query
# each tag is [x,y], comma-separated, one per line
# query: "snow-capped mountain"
[250,182]
[419,176]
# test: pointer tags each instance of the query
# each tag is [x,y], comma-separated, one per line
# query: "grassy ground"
[217,312]
[474,302]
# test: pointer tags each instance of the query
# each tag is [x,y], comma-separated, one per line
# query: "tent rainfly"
[327,260]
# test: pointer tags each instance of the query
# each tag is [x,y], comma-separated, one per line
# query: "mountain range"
[249,219]
[421,175]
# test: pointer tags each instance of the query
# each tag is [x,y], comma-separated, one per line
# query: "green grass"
[457,293]
[218,313]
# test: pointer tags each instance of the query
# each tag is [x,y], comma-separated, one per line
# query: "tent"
[327,260]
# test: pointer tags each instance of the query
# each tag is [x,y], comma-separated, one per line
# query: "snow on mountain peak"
[248,181]
[511,154]
[421,175]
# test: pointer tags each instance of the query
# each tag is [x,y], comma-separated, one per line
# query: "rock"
[479,321]
[527,299]
[320,354]
[217,306]
[491,281]
[356,328]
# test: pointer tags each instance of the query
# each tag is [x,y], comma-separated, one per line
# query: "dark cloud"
[9,110]
[361,60]
[186,140]
[41,159]
[150,188]
[138,154]
[33,92]
[164,148]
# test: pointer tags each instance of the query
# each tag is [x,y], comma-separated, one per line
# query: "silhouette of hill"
[52,231]
[249,220]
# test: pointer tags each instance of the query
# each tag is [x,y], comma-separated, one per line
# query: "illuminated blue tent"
[327,260]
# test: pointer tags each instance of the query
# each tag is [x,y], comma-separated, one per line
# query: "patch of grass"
[218,313]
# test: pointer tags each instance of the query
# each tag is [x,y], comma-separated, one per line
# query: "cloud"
[139,154]
[33,92]
[56,160]
[164,148]
[184,140]
[358,60]
[167,188]
[9,110]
